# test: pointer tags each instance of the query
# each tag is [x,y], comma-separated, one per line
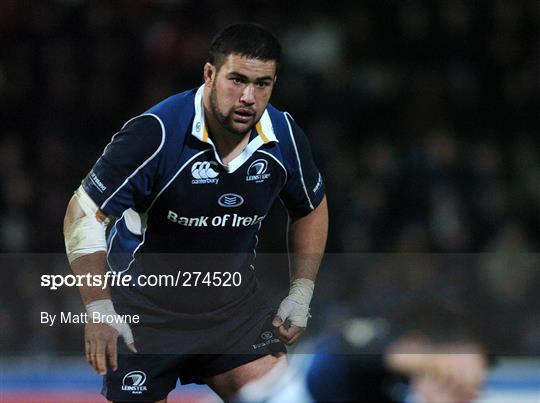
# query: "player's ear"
[209,73]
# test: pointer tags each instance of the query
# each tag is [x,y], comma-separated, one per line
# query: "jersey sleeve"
[304,189]
[124,174]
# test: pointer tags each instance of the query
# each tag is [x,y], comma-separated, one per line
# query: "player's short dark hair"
[247,39]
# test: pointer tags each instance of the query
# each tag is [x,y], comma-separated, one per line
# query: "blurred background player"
[426,352]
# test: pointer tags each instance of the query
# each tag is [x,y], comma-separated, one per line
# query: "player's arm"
[305,199]
[91,260]
[84,234]
[120,178]
[306,240]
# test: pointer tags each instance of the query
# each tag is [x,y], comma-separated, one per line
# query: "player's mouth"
[243,115]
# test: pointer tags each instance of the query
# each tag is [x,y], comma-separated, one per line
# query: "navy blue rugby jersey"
[163,179]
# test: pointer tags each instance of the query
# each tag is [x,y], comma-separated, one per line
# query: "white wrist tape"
[104,307]
[295,306]
[85,235]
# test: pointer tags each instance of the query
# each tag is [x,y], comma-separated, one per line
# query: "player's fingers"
[112,355]
[282,334]
[91,360]
[295,330]
[127,334]
[295,338]
[100,358]
[277,321]
[284,310]
[87,351]
[294,333]
[287,334]
[131,347]
[92,353]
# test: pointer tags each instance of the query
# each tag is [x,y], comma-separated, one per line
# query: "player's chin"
[241,128]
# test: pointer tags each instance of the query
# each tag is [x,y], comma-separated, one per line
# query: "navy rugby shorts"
[148,376]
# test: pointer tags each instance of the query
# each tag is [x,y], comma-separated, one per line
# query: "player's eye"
[237,80]
[262,84]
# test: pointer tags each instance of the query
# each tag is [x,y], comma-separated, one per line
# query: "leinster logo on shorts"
[203,172]
[268,339]
[256,172]
[134,382]
[230,200]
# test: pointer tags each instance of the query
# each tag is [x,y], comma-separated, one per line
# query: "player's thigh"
[227,384]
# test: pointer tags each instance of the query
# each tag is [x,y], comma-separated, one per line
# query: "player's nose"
[248,95]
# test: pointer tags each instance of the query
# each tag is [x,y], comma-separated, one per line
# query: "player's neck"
[228,145]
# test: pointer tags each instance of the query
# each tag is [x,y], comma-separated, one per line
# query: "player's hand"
[291,320]
[456,371]
[287,334]
[432,390]
[459,371]
[100,346]
[293,312]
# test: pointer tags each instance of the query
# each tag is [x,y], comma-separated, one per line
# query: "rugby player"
[195,176]
[425,350]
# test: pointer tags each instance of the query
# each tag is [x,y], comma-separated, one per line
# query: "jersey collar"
[264,133]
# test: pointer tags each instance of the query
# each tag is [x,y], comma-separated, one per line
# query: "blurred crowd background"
[423,117]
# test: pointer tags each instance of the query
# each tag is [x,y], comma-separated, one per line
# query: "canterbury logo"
[203,172]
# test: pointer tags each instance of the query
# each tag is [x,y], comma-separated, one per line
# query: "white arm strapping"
[295,306]
[85,235]
[105,307]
